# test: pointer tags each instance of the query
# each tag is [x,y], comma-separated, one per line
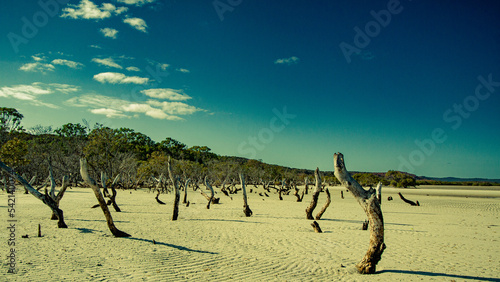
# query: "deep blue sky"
[217,76]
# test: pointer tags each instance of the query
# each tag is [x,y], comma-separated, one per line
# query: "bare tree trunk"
[184,201]
[306,183]
[65,184]
[210,199]
[175,213]
[112,197]
[371,206]
[315,195]
[102,203]
[246,209]
[408,201]
[46,199]
[328,201]
[379,192]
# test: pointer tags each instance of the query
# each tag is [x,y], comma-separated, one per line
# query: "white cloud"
[68,63]
[109,32]
[166,93]
[288,61]
[31,93]
[95,46]
[183,70]
[158,65]
[37,67]
[175,108]
[133,69]
[37,58]
[119,78]
[136,23]
[118,108]
[136,2]
[86,9]
[109,113]
[109,62]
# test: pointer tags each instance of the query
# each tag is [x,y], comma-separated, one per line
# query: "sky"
[393,85]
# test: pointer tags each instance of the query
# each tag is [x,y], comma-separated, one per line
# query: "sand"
[452,236]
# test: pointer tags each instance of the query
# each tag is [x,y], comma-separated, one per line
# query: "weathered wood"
[325,206]
[379,192]
[39,230]
[102,203]
[211,193]
[112,196]
[316,227]
[315,195]
[296,194]
[175,213]
[365,225]
[368,201]
[158,200]
[46,199]
[342,194]
[408,201]
[246,209]
[389,198]
[60,194]
[186,185]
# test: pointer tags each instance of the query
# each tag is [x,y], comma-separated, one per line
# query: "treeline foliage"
[138,158]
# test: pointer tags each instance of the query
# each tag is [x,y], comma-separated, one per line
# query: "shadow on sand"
[435,274]
[171,246]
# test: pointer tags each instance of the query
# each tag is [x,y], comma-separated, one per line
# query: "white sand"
[452,236]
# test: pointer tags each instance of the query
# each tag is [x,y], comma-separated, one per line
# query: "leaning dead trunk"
[315,195]
[175,213]
[379,192]
[64,186]
[102,203]
[408,201]
[210,199]
[371,206]
[46,199]
[246,209]
[112,197]
[323,209]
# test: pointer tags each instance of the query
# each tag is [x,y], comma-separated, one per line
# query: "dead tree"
[299,197]
[315,195]
[46,199]
[371,206]
[306,184]
[211,198]
[246,209]
[158,190]
[408,201]
[60,194]
[186,184]
[327,203]
[175,213]
[107,214]
[379,192]
[112,197]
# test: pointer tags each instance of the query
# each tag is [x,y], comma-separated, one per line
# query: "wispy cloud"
[119,78]
[136,2]
[86,9]
[287,61]
[119,108]
[183,70]
[108,62]
[136,23]
[133,69]
[175,108]
[166,94]
[158,65]
[68,63]
[32,92]
[37,67]
[109,32]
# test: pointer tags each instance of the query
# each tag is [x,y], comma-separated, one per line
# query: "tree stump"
[315,195]
[316,227]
